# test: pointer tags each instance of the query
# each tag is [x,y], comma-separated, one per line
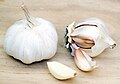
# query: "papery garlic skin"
[31,39]
[94,30]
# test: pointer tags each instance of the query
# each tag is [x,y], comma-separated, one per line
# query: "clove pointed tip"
[113,45]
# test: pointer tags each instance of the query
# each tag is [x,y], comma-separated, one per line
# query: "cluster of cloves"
[87,39]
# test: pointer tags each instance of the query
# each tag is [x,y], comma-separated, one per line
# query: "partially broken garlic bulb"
[31,39]
[61,71]
[90,35]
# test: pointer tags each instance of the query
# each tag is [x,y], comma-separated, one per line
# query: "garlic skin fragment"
[60,71]
[90,34]
[31,39]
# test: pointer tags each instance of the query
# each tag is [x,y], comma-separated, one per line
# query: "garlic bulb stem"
[27,14]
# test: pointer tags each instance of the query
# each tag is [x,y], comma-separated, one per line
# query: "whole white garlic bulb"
[31,39]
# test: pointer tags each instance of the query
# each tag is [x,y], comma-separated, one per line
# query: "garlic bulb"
[87,39]
[31,39]
[90,34]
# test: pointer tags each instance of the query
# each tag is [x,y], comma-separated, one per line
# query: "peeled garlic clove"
[82,60]
[31,39]
[61,71]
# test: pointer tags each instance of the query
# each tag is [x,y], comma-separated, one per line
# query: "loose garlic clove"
[61,71]
[82,60]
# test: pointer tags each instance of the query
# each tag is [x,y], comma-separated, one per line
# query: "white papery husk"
[98,33]
[30,43]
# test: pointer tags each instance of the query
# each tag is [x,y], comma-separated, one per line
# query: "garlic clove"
[96,22]
[103,42]
[61,71]
[86,32]
[83,43]
[83,61]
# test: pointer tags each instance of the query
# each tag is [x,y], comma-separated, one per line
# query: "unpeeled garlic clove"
[61,71]
[82,60]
